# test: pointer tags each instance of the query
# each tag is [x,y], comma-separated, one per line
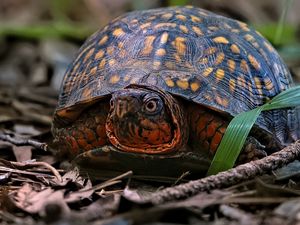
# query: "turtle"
[154,90]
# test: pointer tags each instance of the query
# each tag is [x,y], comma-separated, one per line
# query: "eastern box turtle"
[154,90]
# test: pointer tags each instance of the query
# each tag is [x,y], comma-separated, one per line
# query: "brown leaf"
[22,153]
[32,201]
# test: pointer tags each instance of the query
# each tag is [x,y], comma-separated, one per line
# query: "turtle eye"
[152,105]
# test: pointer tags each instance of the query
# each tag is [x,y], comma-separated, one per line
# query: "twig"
[237,214]
[42,164]
[229,177]
[21,142]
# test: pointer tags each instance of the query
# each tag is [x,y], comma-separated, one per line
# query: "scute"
[203,57]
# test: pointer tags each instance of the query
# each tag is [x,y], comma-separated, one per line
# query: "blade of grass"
[240,126]
[279,30]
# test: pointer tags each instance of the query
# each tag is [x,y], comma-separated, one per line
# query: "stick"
[230,177]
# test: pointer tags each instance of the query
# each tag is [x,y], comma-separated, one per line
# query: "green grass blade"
[240,126]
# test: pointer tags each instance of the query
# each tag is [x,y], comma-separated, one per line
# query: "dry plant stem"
[21,142]
[230,177]
[42,164]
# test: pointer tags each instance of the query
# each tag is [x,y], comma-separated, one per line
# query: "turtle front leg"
[252,150]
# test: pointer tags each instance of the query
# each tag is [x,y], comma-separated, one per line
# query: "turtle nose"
[124,105]
[121,107]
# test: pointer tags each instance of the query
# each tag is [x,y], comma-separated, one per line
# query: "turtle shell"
[205,58]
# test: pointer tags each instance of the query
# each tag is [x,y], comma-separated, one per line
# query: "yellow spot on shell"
[243,26]
[126,78]
[170,65]
[120,44]
[156,64]
[268,84]
[235,49]
[110,50]
[222,101]
[213,28]
[197,30]
[181,17]
[219,59]
[118,32]
[269,46]
[170,82]
[177,57]
[167,15]
[180,46]
[249,37]
[221,40]
[183,28]
[93,71]
[114,79]
[134,21]
[235,30]
[183,84]
[195,19]
[160,52]
[220,74]
[241,81]
[152,18]
[254,62]
[143,26]
[112,62]
[207,71]
[255,44]
[86,92]
[103,40]
[210,50]
[99,54]
[232,85]
[148,45]
[189,6]
[165,25]
[195,86]
[258,85]
[231,65]
[244,66]
[88,55]
[102,63]
[203,60]
[164,38]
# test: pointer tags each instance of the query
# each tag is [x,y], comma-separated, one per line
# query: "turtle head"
[143,119]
